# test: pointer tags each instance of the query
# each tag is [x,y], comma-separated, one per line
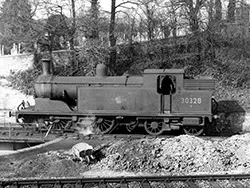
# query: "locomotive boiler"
[159,100]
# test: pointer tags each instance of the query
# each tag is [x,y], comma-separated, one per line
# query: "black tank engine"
[160,100]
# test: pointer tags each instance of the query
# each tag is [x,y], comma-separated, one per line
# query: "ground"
[181,155]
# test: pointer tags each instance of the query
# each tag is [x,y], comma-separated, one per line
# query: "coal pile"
[49,164]
[180,155]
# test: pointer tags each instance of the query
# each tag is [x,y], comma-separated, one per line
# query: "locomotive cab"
[166,83]
[183,103]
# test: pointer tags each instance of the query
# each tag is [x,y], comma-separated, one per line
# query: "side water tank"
[101,70]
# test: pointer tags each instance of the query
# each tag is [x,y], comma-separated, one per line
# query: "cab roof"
[164,71]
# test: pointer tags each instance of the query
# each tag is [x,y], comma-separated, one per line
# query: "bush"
[229,69]
[24,80]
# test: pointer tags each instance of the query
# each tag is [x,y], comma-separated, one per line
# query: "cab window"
[166,84]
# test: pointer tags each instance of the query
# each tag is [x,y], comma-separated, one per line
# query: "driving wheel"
[105,125]
[153,127]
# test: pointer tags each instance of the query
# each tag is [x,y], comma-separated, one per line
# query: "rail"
[127,182]
[18,132]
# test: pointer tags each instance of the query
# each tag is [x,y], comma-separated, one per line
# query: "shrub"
[24,80]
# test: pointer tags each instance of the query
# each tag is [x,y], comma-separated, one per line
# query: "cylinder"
[46,66]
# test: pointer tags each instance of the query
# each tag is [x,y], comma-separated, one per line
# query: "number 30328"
[191,100]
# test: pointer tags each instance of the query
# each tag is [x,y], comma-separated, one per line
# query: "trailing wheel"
[193,130]
[154,127]
[105,125]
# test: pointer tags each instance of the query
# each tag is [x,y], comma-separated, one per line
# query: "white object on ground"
[82,147]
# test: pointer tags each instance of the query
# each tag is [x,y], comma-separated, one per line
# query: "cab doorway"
[165,87]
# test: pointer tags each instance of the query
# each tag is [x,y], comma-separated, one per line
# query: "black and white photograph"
[125,93]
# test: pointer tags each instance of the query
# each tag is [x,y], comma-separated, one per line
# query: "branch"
[105,11]
[125,7]
[122,12]
[123,3]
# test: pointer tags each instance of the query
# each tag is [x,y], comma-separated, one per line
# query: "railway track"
[192,181]
[30,134]
[17,133]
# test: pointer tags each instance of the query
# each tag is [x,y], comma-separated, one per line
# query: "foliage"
[58,32]
[16,22]
[91,53]
[24,80]
[87,57]
[91,21]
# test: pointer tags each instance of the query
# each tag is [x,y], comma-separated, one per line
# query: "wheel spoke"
[153,127]
[108,121]
[59,124]
[157,130]
[194,131]
[105,126]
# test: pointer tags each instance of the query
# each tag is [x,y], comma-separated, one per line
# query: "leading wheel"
[105,125]
[193,131]
[154,127]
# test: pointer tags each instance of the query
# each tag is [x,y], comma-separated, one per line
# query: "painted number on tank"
[191,100]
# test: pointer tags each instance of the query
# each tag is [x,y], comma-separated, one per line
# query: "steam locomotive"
[159,100]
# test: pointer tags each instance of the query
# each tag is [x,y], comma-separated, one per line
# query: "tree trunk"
[72,37]
[94,17]
[194,22]
[112,38]
[150,22]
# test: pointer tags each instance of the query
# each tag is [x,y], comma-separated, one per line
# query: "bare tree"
[192,10]
[218,10]
[112,36]
[214,9]
[231,10]
[148,17]
[173,13]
